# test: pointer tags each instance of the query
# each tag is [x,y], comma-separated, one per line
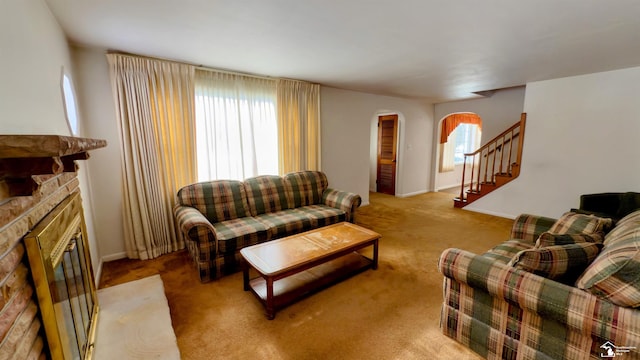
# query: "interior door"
[387,162]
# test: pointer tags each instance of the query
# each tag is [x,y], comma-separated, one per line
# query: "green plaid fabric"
[507,250]
[236,234]
[266,194]
[528,227]
[218,200]
[284,223]
[574,223]
[322,215]
[629,223]
[343,200]
[558,261]
[306,187]
[615,274]
[549,239]
[218,218]
[502,312]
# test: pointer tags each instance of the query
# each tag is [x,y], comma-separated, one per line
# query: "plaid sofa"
[218,218]
[503,309]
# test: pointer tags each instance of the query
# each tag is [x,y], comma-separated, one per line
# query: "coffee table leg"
[374,266]
[245,274]
[271,311]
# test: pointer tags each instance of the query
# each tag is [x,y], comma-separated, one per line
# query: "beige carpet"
[389,313]
[134,322]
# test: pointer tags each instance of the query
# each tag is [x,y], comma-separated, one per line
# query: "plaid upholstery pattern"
[549,239]
[218,200]
[574,223]
[284,223]
[502,312]
[528,227]
[267,194]
[235,234]
[306,187]
[322,215]
[627,224]
[218,218]
[507,250]
[615,274]
[557,261]
[343,200]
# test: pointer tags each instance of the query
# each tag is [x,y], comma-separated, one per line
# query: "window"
[236,126]
[68,96]
[467,140]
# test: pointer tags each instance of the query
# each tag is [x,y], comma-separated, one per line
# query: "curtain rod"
[205,68]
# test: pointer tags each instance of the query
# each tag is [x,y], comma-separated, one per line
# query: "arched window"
[460,133]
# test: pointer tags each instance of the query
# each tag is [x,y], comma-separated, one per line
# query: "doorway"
[387,154]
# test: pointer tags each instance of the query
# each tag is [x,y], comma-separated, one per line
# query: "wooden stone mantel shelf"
[24,158]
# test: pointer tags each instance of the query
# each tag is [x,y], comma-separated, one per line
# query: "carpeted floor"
[389,313]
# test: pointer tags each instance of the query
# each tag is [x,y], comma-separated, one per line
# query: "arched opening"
[458,133]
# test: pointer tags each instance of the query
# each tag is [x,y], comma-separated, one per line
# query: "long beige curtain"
[298,126]
[154,102]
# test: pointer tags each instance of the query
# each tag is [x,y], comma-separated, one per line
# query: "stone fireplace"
[48,305]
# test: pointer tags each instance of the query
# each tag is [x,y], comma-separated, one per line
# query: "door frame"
[373,149]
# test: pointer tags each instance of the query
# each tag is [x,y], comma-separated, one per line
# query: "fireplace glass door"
[62,272]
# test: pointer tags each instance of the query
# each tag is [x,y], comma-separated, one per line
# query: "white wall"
[347,118]
[96,101]
[581,137]
[497,112]
[34,53]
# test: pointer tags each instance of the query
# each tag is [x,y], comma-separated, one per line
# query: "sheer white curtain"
[447,153]
[236,126]
[154,110]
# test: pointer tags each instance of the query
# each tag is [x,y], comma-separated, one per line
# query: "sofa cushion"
[629,223]
[322,215]
[235,234]
[558,261]
[574,223]
[306,187]
[218,200]
[550,239]
[266,194]
[507,250]
[614,274]
[285,223]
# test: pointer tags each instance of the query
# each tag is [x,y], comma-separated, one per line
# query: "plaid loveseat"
[218,218]
[502,309]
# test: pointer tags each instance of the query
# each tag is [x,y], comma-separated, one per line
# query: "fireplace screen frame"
[61,268]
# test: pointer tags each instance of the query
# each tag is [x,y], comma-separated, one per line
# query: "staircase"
[493,165]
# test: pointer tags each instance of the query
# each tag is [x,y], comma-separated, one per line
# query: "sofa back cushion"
[574,223]
[306,187]
[614,274]
[560,262]
[218,200]
[267,194]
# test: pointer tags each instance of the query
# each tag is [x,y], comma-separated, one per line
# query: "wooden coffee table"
[298,265]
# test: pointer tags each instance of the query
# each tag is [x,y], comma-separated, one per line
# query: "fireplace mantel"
[37,174]
[25,159]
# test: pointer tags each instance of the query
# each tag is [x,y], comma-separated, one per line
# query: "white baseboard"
[488,212]
[447,187]
[116,256]
[412,194]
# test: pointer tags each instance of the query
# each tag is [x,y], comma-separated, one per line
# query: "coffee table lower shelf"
[307,282]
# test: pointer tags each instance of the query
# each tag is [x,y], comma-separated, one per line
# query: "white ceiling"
[438,50]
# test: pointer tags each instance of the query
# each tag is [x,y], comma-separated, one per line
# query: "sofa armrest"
[343,200]
[194,225]
[568,305]
[529,227]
